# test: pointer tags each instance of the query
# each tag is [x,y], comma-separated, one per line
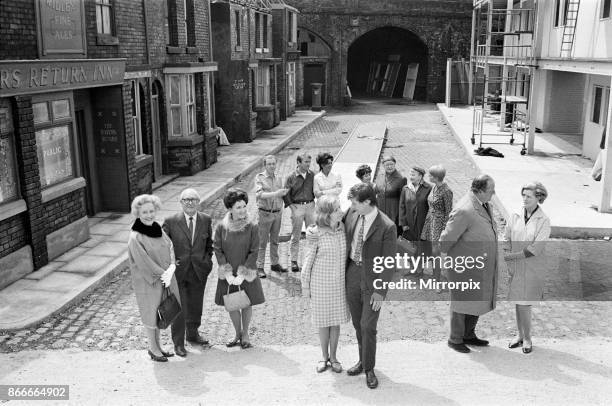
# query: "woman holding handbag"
[323,278]
[236,244]
[151,259]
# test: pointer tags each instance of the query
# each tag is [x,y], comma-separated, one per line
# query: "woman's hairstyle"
[324,158]
[389,158]
[362,192]
[362,171]
[234,195]
[324,208]
[538,190]
[144,199]
[438,172]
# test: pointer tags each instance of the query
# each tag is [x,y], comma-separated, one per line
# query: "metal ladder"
[569,29]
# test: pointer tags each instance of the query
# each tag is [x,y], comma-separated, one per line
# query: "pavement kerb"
[498,203]
[118,264]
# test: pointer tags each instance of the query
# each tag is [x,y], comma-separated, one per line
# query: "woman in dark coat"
[236,244]
[440,202]
[389,189]
[151,259]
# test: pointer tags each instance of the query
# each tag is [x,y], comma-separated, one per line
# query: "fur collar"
[239,225]
[153,231]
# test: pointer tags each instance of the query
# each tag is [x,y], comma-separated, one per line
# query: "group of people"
[337,269]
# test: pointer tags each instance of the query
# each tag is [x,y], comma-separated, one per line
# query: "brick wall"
[64,210]
[18,38]
[444,26]
[12,234]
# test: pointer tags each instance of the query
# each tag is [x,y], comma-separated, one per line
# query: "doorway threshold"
[163,180]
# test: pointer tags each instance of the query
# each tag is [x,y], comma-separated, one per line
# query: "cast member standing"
[191,235]
[326,182]
[389,189]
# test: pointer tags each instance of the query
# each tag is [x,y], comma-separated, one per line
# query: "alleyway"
[108,319]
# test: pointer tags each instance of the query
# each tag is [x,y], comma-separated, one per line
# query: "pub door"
[86,150]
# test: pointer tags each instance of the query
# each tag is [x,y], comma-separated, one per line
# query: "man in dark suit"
[191,235]
[369,234]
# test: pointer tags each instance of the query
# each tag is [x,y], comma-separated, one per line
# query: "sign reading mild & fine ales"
[61,27]
[107,131]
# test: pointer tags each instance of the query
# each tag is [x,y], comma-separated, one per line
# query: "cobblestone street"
[108,319]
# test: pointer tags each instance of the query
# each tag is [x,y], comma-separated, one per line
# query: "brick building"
[348,41]
[246,86]
[98,98]
[285,46]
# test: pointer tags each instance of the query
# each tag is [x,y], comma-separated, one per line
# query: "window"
[601,98]
[262,96]
[104,16]
[292,27]
[291,80]
[264,27]
[8,176]
[258,32]
[181,97]
[561,10]
[136,115]
[53,130]
[605,8]
[237,26]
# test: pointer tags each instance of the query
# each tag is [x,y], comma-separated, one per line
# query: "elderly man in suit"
[370,234]
[471,232]
[191,235]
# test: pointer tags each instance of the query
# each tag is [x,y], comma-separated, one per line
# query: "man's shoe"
[197,339]
[294,266]
[475,341]
[180,351]
[277,268]
[459,347]
[261,273]
[355,369]
[371,379]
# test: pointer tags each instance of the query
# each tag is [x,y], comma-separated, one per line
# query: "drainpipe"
[211,78]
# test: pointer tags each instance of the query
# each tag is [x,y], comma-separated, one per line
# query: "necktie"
[191,229]
[486,207]
[359,246]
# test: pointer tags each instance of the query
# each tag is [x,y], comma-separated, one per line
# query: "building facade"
[554,61]
[246,94]
[285,46]
[351,42]
[98,99]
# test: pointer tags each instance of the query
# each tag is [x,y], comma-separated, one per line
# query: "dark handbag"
[168,309]
[236,301]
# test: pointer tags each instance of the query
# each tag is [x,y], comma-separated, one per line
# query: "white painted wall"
[593,36]
[592,131]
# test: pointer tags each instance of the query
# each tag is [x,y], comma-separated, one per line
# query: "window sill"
[192,50]
[107,39]
[143,160]
[174,50]
[11,209]
[187,141]
[62,189]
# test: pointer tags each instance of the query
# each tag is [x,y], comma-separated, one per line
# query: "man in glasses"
[191,234]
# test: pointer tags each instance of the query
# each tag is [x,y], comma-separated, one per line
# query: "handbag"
[168,309]
[236,301]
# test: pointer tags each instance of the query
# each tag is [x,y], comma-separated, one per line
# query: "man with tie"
[369,234]
[471,232]
[191,235]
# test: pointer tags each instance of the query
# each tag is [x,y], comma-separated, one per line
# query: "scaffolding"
[502,68]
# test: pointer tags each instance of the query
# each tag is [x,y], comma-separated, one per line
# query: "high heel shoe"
[515,343]
[526,349]
[167,354]
[156,358]
[236,341]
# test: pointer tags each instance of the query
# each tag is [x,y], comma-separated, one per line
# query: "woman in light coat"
[151,259]
[526,233]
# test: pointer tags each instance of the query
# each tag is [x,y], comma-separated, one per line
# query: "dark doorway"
[86,150]
[313,73]
[387,53]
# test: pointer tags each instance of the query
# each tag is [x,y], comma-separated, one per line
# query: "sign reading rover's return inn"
[28,77]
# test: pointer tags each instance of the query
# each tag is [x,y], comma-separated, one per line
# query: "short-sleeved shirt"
[267,184]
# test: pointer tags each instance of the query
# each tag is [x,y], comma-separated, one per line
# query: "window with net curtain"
[181,97]
[8,175]
[104,14]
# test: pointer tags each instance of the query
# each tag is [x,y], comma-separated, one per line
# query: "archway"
[383,62]
[315,55]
